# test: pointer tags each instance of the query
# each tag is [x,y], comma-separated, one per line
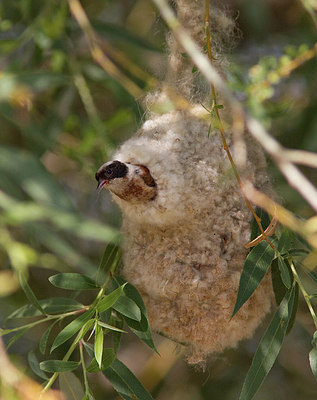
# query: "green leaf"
[35,366]
[109,300]
[254,269]
[71,329]
[110,327]
[278,286]
[44,338]
[72,281]
[107,359]
[125,383]
[109,262]
[71,386]
[142,328]
[269,347]
[125,306]
[98,344]
[50,306]
[116,336]
[29,293]
[313,361]
[285,272]
[58,365]
[285,241]
[294,309]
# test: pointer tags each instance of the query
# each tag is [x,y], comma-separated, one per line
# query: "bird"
[128,181]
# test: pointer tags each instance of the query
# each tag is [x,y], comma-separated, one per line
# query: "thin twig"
[271,146]
[99,56]
[264,234]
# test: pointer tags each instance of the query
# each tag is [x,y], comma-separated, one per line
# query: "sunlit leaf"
[58,365]
[110,327]
[71,386]
[127,307]
[72,281]
[125,382]
[72,328]
[98,348]
[110,299]
[254,269]
[107,359]
[29,293]
[269,347]
[35,365]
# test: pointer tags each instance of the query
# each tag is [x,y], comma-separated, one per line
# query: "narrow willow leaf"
[269,347]
[278,286]
[146,337]
[313,361]
[125,383]
[109,261]
[29,293]
[294,309]
[285,241]
[109,300]
[71,329]
[254,269]
[107,359]
[98,348]
[285,272]
[58,365]
[116,336]
[125,306]
[110,327]
[44,338]
[50,306]
[71,386]
[35,365]
[142,328]
[72,281]
[298,252]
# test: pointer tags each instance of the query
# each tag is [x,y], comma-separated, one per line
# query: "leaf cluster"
[116,304]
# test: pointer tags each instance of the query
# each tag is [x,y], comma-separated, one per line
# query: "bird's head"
[130,182]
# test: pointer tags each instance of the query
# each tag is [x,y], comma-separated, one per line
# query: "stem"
[65,358]
[305,294]
[222,131]
[82,360]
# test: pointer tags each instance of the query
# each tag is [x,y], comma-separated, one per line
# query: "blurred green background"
[61,116]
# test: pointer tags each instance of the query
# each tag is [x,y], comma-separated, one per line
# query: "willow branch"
[292,174]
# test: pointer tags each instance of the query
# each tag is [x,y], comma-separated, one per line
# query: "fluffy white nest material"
[184,249]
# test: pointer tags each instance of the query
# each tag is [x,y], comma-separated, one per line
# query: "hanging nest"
[185,222]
